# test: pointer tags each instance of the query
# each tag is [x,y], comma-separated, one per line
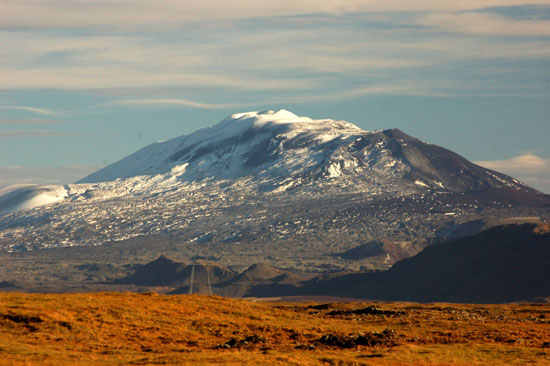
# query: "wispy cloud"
[166,14]
[403,87]
[34,110]
[16,174]
[76,77]
[529,168]
[170,102]
[303,55]
[482,23]
[28,121]
[38,133]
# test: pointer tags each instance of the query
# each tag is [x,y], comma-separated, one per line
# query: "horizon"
[84,85]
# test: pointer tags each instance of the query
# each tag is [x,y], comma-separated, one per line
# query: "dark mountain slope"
[386,249]
[502,264]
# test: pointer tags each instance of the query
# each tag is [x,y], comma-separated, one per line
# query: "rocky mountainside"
[268,187]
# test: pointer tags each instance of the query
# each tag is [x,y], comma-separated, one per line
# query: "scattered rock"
[386,338]
[369,310]
[240,343]
[26,320]
[309,347]
[372,355]
[65,325]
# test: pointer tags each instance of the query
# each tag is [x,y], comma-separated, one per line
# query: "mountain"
[280,151]
[271,186]
[502,264]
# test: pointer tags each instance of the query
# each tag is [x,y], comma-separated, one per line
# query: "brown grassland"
[143,329]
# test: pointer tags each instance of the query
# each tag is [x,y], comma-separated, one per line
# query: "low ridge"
[502,264]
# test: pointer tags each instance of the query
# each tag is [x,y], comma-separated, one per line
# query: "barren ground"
[142,329]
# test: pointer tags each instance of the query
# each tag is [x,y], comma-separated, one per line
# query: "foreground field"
[142,329]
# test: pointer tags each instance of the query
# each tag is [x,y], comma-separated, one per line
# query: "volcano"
[270,186]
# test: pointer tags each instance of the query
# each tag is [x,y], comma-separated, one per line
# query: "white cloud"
[34,110]
[170,102]
[142,13]
[37,133]
[77,77]
[528,168]
[482,23]
[43,175]
[287,56]
[28,121]
[401,87]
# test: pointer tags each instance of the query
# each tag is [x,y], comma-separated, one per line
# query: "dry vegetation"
[142,329]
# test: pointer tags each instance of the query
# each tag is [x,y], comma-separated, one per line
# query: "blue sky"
[83,84]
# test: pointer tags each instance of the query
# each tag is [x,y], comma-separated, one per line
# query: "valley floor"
[143,329]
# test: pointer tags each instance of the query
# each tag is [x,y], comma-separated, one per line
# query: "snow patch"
[334,170]
[179,169]
[420,183]
[283,187]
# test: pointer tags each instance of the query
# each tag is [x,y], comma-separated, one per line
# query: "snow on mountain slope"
[279,150]
[25,196]
[262,177]
[244,144]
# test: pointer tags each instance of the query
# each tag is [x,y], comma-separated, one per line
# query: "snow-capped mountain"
[273,177]
[279,150]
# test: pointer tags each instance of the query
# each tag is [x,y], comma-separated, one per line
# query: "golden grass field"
[151,329]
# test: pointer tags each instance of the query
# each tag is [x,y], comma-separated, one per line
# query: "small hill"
[263,280]
[260,272]
[167,272]
[161,272]
[258,280]
[390,251]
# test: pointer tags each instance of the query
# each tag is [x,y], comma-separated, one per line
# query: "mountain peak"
[259,119]
[280,115]
[242,145]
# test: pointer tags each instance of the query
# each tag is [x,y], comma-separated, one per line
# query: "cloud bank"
[33,110]
[65,174]
[37,14]
[290,48]
[528,168]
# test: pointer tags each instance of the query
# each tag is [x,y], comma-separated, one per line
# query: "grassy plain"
[151,329]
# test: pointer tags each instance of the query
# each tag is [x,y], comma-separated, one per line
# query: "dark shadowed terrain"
[508,263]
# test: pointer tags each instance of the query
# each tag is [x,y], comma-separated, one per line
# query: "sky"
[85,83]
